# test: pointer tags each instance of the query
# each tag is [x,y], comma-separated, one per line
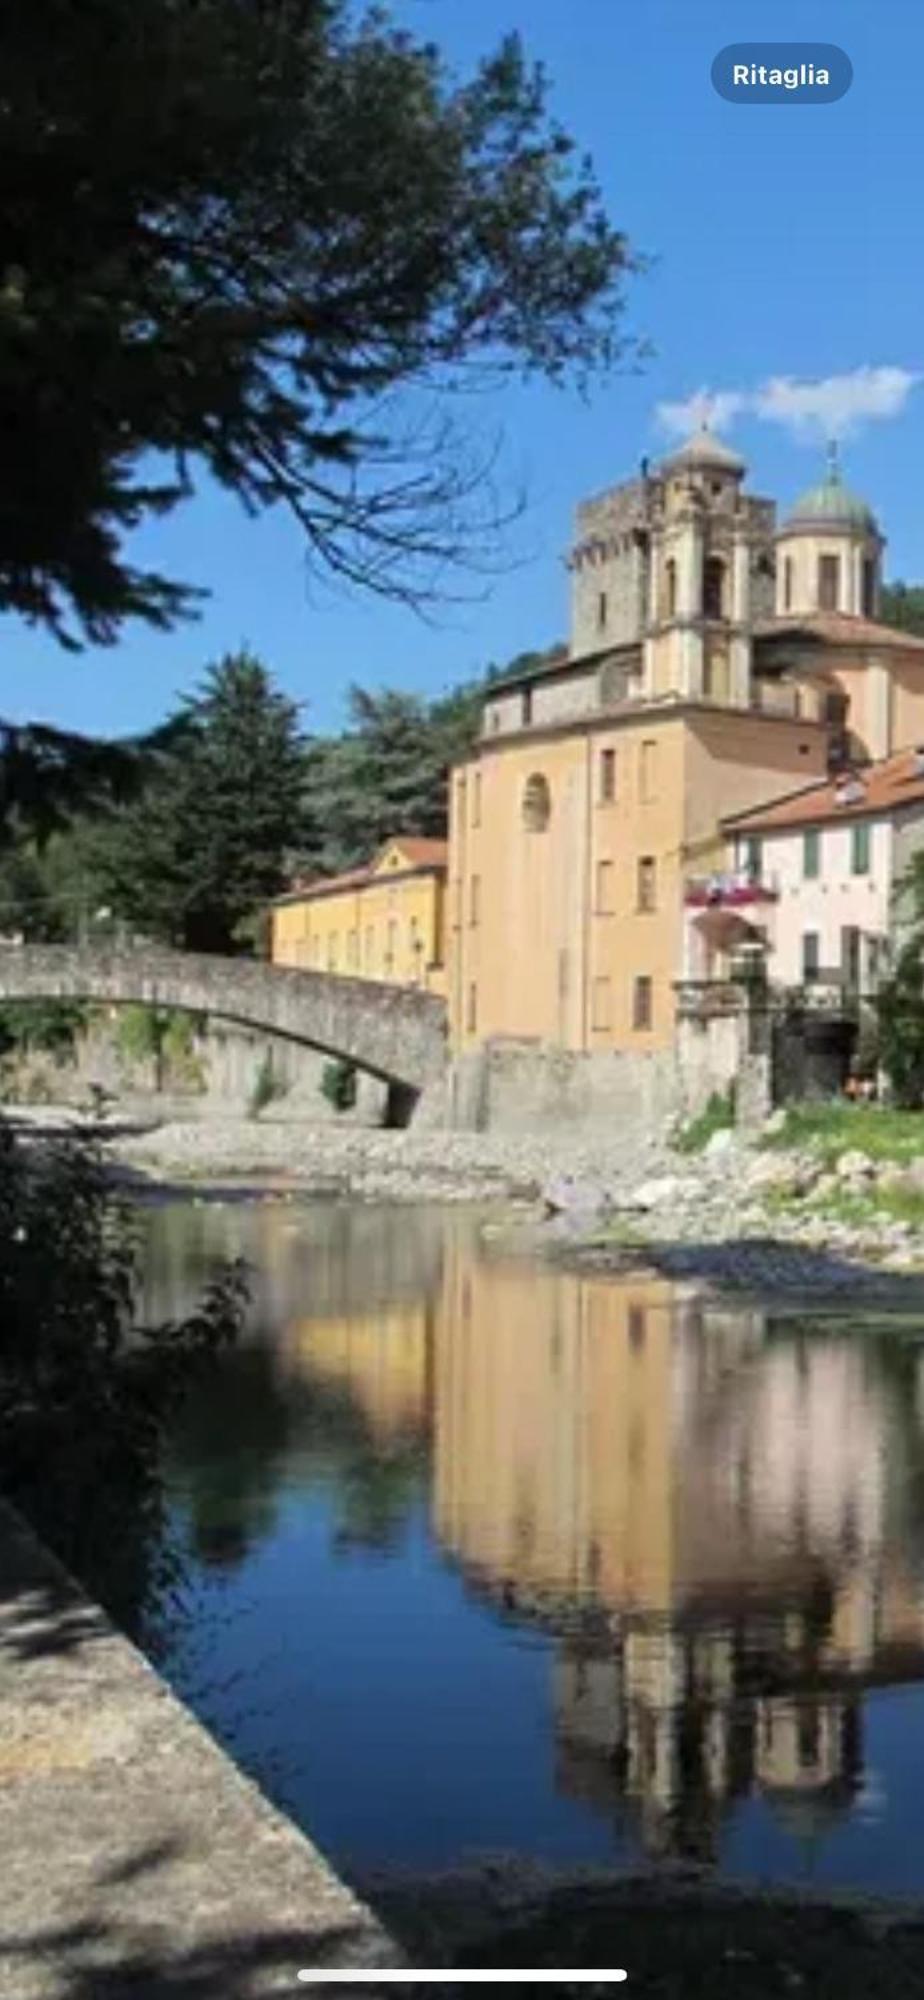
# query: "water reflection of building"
[711,1513]
[712,1509]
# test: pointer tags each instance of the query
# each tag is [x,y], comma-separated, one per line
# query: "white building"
[824,865]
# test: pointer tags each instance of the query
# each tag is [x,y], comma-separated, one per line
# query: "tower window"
[670,587]
[829,582]
[787,584]
[526,707]
[869,588]
[601,611]
[607,777]
[537,803]
[713,588]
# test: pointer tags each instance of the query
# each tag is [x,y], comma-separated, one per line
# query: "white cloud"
[716,407]
[837,406]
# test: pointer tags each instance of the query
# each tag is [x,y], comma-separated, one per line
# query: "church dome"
[831,504]
[704,451]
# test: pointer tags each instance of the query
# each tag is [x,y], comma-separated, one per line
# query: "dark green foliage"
[84,1391]
[232,234]
[902,604]
[51,1026]
[205,845]
[900,1006]
[339,1085]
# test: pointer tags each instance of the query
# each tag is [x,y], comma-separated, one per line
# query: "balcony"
[702,999]
[729,891]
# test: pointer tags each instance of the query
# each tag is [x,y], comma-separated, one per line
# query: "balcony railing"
[729,891]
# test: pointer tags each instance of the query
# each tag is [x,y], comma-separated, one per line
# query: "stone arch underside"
[394,1032]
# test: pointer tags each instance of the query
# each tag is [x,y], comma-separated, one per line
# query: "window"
[637,1328]
[869,588]
[713,588]
[811,855]
[787,584]
[810,955]
[333,946]
[641,1002]
[352,950]
[476,799]
[526,707]
[829,582]
[850,956]
[752,859]
[474,901]
[370,947]
[390,945]
[670,588]
[601,612]
[647,770]
[604,888]
[647,882]
[607,777]
[537,803]
[601,1005]
[859,848]
[471,1016]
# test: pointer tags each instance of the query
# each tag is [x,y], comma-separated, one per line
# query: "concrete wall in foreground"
[136,1856]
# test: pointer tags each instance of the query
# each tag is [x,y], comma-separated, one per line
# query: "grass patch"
[828,1130]
[718,1116]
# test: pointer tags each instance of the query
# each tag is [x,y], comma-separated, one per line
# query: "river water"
[487,1558]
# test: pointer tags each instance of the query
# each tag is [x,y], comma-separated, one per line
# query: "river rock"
[720,1144]
[854,1166]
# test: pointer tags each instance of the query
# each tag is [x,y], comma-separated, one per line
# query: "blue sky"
[787,243]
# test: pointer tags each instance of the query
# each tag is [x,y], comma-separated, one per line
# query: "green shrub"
[85,1392]
[267,1088]
[339,1085]
[718,1116]
[50,1027]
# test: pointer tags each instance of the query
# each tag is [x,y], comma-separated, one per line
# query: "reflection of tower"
[808,1760]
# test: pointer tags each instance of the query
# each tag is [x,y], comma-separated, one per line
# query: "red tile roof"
[419,852]
[881,789]
[423,853]
[834,628]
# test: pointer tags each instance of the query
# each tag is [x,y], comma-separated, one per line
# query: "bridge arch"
[396,1033]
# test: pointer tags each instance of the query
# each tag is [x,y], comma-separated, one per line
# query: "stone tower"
[710,574]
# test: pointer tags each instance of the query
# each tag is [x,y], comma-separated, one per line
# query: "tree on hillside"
[233,236]
[902,604]
[197,857]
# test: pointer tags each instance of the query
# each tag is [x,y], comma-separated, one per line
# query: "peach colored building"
[715,664]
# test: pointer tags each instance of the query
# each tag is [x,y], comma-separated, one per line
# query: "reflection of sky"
[384,1708]
[343,1654]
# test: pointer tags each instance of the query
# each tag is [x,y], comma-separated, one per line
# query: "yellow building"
[384,922]
[715,664]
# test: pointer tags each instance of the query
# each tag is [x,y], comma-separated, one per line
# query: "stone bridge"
[393,1031]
